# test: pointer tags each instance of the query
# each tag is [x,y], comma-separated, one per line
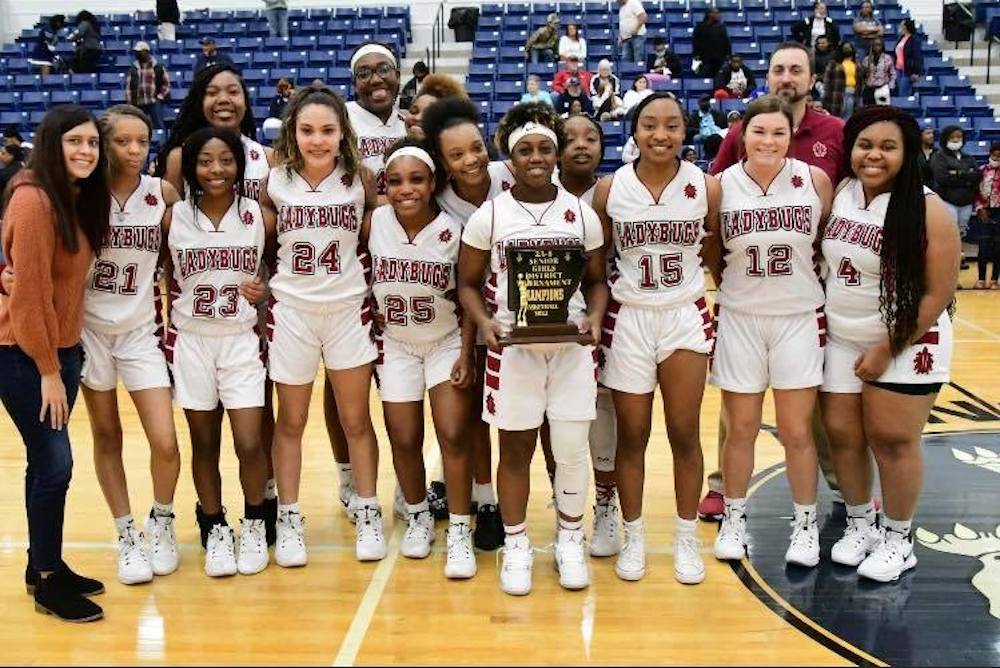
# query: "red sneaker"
[712,507]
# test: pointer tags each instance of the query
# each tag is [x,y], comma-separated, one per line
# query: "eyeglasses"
[365,73]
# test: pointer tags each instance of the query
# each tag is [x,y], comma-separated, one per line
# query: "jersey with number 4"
[121,285]
[414,281]
[210,264]
[318,228]
[658,241]
[768,235]
[374,137]
[852,246]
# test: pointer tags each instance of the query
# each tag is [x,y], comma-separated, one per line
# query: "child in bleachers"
[988,212]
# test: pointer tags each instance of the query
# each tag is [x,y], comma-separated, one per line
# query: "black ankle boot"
[271,519]
[81,585]
[56,595]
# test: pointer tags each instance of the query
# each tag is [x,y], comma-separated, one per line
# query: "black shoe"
[271,519]
[489,528]
[206,522]
[77,583]
[56,595]
[437,497]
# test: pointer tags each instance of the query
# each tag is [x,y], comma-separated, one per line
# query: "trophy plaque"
[541,281]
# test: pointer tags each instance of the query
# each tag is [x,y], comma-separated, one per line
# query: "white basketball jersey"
[414,282]
[256,168]
[852,246]
[121,292]
[501,180]
[318,228]
[210,264]
[768,236]
[374,137]
[588,196]
[504,222]
[657,241]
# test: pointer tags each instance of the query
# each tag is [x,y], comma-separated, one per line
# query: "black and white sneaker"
[437,498]
[489,534]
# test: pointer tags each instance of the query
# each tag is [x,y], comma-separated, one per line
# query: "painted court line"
[971,325]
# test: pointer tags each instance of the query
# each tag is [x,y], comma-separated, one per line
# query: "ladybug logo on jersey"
[151,199]
[569,216]
[254,155]
[491,404]
[445,236]
[797,181]
[602,358]
[819,150]
[690,191]
[247,218]
[506,185]
[923,361]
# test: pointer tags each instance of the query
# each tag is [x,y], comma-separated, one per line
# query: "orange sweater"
[45,309]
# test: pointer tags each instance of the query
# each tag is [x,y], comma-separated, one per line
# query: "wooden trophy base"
[567,333]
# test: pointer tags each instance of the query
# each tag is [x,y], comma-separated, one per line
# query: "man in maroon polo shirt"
[817,140]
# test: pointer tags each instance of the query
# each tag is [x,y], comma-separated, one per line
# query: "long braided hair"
[904,233]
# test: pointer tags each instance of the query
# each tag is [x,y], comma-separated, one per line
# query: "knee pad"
[604,434]
[569,449]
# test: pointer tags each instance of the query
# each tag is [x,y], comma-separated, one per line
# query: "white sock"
[864,510]
[163,509]
[366,502]
[271,491]
[901,527]
[633,525]
[123,523]
[512,531]
[414,508]
[483,494]
[805,512]
[685,527]
[289,508]
[735,507]
[344,472]
[570,451]
[569,525]
[459,519]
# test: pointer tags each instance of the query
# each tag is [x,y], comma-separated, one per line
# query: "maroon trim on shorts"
[492,376]
[821,325]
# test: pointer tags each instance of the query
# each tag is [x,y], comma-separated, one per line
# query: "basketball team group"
[372,243]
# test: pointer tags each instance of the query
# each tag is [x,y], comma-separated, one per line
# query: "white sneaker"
[220,552]
[604,537]
[346,496]
[803,546]
[858,541]
[731,543]
[290,543]
[461,563]
[419,536]
[163,553]
[689,568]
[891,558]
[253,556]
[515,572]
[370,539]
[570,559]
[133,561]
[631,563]
[399,504]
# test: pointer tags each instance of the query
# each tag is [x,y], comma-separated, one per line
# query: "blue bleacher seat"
[322,58]
[109,80]
[943,105]
[15,118]
[512,70]
[10,101]
[482,71]
[508,90]
[973,105]
[988,127]
[116,96]
[27,81]
[18,66]
[32,100]
[55,82]
[65,97]
[307,74]
[94,99]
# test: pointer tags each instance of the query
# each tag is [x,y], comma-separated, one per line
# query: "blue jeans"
[849,102]
[50,459]
[634,49]
[155,113]
[962,215]
[904,86]
[277,20]
[542,56]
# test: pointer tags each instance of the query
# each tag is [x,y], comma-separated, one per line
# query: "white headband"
[530,128]
[372,48]
[414,152]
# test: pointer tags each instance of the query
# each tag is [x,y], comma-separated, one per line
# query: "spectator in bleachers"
[733,117]
[574,93]
[420,72]
[823,54]
[572,70]
[86,38]
[607,105]
[147,84]
[284,91]
[957,176]
[909,59]
[663,61]
[734,81]
[880,75]
[988,211]
[866,27]
[842,83]
[712,126]
[640,91]
[572,43]
[12,136]
[818,23]
[277,17]
[542,44]
[604,76]
[210,55]
[535,92]
[689,154]
[433,88]
[168,15]
[632,31]
[43,55]
[12,159]
[710,45]
[928,147]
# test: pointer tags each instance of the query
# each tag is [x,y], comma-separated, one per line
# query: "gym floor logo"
[944,612]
